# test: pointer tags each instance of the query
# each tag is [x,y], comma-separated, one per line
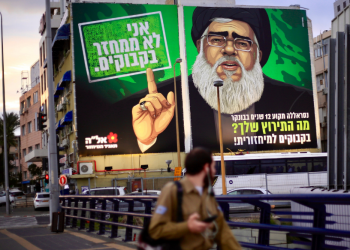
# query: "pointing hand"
[153,113]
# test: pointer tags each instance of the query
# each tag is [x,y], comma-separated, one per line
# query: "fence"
[27,200]
[275,183]
[150,183]
[314,236]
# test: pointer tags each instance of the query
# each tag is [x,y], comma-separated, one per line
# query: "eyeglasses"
[238,43]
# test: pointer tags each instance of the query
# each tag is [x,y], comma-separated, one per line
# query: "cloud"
[23,6]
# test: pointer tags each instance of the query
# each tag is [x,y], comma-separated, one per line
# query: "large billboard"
[263,58]
[123,57]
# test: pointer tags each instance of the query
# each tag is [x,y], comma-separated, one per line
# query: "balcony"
[36,155]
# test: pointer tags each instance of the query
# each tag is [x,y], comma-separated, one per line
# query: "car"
[41,200]
[106,191]
[17,194]
[3,198]
[146,192]
[246,191]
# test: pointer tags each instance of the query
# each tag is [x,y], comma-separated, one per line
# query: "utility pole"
[4,125]
[219,83]
[178,60]
[52,149]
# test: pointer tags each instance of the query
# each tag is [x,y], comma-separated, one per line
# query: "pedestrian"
[198,204]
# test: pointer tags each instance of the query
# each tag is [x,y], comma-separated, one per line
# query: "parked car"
[146,192]
[106,191]
[246,191]
[41,200]
[17,194]
[253,191]
[3,198]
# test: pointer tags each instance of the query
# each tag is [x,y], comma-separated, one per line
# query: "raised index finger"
[152,87]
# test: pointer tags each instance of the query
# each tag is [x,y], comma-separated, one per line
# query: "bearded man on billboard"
[233,45]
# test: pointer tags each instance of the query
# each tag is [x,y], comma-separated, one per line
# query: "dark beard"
[206,181]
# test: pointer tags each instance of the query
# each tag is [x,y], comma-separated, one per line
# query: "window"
[24,152]
[29,101]
[23,106]
[41,56]
[42,84]
[325,49]
[25,174]
[344,4]
[44,57]
[338,8]
[37,146]
[44,80]
[234,193]
[30,149]
[319,81]
[23,130]
[35,97]
[29,127]
[36,122]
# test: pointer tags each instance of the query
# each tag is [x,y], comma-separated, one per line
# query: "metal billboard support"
[331,131]
[339,106]
[347,110]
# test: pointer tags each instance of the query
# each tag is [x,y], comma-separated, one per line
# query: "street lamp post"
[4,125]
[178,60]
[218,84]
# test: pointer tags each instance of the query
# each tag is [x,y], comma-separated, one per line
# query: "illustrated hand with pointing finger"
[152,115]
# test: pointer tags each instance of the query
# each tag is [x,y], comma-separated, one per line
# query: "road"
[40,238]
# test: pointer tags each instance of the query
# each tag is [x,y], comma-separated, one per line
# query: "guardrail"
[318,234]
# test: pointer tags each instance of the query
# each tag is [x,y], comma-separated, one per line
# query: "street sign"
[177,172]
[67,171]
[63,180]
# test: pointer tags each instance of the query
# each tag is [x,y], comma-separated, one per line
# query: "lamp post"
[4,125]
[218,84]
[178,60]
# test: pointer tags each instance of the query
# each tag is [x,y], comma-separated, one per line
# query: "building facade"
[321,51]
[339,6]
[30,136]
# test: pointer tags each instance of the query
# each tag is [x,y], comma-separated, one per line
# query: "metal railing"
[315,236]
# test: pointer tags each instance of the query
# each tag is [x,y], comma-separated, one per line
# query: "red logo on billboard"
[112,137]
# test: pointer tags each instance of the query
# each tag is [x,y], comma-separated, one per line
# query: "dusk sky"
[21,36]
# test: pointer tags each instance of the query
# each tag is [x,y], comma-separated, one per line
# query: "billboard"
[123,57]
[263,58]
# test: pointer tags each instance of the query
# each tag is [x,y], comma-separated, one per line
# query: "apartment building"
[339,6]
[321,51]
[30,136]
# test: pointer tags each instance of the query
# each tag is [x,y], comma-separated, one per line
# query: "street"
[37,238]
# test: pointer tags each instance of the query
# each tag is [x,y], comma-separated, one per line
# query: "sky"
[21,20]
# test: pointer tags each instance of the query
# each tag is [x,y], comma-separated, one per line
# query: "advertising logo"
[97,142]
[124,46]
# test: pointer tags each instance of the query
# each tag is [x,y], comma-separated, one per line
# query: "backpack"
[145,240]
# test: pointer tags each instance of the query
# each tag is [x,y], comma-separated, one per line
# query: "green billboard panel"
[124,46]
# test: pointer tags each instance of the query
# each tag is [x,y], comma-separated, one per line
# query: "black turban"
[256,18]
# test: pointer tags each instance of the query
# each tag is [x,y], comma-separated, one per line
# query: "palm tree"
[12,122]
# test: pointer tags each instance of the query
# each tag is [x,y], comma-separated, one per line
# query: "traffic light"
[46,178]
[58,153]
[45,164]
[42,118]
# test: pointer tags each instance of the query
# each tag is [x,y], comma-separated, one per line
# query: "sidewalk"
[41,238]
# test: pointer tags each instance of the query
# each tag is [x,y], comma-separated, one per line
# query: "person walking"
[192,231]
